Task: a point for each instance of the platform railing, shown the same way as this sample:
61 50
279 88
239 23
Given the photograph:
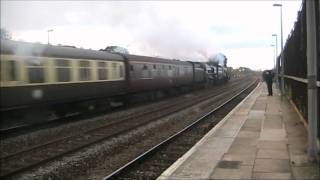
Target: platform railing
296 90
300 79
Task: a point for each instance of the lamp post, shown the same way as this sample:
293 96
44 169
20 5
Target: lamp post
276 65
50 30
281 55
274 56
275 35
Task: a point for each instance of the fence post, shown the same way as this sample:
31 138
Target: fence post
312 80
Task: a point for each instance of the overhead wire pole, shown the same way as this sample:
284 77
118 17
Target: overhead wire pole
312 81
281 54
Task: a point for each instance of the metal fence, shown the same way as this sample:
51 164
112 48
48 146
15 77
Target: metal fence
295 62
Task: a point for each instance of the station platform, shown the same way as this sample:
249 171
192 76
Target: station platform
262 138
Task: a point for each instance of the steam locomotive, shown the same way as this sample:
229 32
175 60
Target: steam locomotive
37 76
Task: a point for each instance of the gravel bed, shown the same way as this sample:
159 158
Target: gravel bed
99 160
82 162
44 135
41 136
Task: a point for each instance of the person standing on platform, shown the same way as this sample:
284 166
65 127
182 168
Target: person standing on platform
268 77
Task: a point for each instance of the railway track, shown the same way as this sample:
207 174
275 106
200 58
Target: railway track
150 164
36 156
107 120
20 129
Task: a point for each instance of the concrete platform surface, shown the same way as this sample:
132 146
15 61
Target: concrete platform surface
262 138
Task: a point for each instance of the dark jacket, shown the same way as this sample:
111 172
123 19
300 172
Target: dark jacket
268 76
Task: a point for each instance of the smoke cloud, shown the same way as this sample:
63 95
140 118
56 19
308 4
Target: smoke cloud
187 30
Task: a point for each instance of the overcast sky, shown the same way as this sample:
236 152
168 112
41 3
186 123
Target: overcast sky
186 30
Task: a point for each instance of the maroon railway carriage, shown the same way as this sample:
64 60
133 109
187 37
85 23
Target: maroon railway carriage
151 73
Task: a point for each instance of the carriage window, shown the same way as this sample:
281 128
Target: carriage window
114 71
62 70
102 71
8 73
154 66
35 70
181 71
145 67
84 71
121 71
159 72
146 72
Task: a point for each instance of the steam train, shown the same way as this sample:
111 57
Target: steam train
39 77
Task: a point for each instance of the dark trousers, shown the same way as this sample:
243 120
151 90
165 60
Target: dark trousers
269 85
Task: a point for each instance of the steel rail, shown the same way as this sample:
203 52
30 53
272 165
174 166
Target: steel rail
135 116
32 165
22 127
166 141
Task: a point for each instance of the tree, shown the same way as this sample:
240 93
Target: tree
115 49
5 34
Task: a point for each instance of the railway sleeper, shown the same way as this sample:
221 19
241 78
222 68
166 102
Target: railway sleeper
177 148
158 164
137 174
